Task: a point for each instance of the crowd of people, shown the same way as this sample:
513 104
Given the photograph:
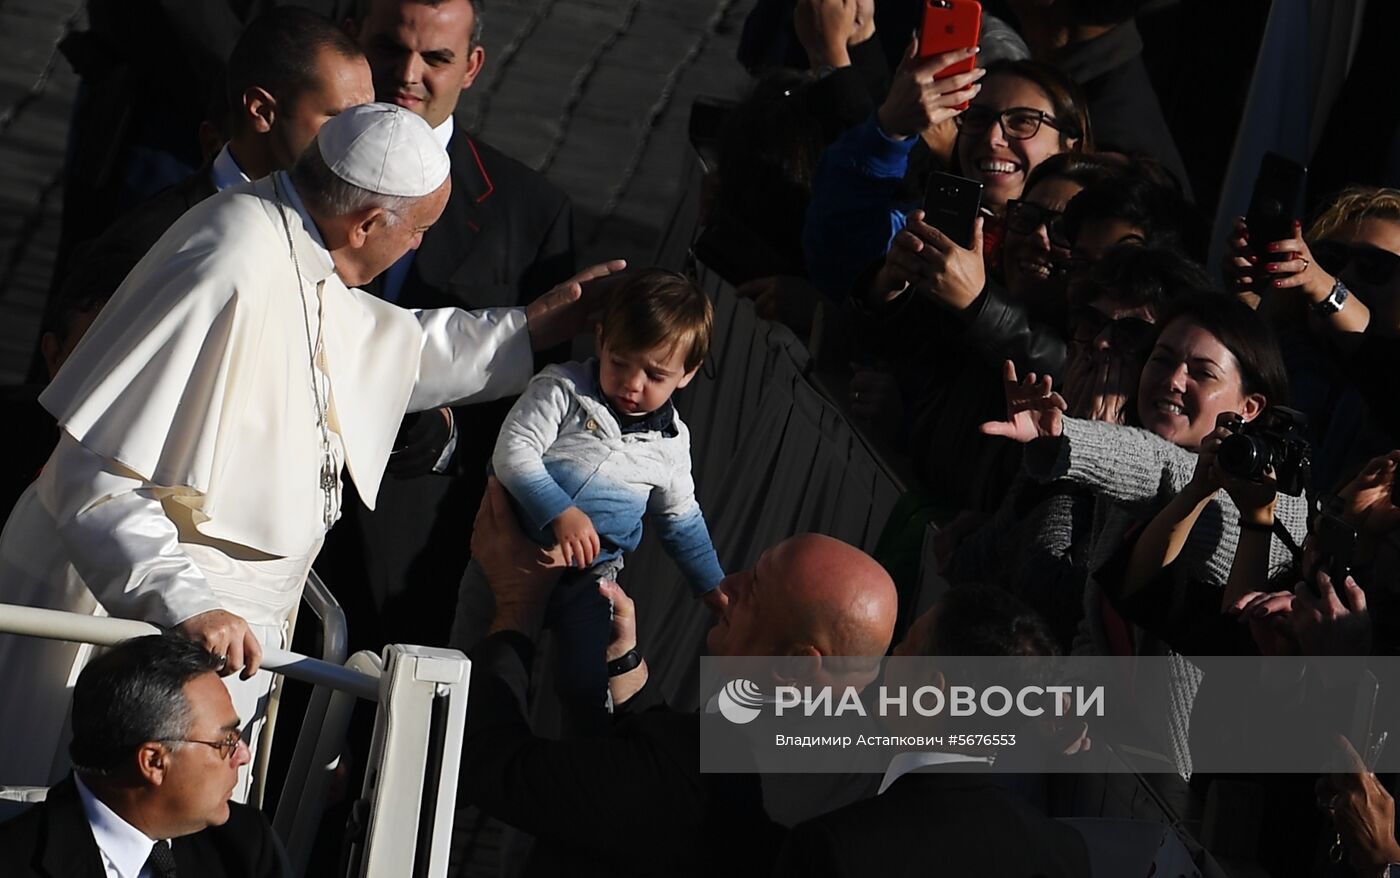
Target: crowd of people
311 272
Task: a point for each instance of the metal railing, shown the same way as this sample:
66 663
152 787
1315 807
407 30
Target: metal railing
302 803
107 631
407 802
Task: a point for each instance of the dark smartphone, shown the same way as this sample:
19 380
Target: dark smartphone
708 116
951 204
1335 543
1277 203
949 25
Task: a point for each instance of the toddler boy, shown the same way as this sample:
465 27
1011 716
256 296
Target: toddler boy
587 451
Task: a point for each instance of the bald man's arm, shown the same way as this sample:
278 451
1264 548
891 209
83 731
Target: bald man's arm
575 791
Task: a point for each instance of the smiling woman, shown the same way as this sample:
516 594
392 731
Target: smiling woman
1025 113
1214 355
1036 253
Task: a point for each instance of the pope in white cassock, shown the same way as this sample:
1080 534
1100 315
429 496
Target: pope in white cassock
209 412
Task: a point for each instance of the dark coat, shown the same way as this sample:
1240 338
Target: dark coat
953 825
631 802
1123 107
53 840
505 238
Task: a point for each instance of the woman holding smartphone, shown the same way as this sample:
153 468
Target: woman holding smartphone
1019 113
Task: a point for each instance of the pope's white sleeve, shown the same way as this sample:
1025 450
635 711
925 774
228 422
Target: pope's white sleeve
119 539
471 356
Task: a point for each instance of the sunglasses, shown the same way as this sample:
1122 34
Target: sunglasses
1128 335
1372 265
1025 217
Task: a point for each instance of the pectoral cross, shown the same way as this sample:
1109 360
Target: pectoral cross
328 483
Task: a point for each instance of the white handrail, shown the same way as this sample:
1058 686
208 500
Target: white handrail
107 631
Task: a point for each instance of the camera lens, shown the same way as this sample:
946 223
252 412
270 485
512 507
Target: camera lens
1243 456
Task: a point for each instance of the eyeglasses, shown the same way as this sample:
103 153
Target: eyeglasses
1025 217
1128 335
1374 266
227 747
1017 123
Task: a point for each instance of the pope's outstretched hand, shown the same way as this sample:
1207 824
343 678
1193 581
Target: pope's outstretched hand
568 309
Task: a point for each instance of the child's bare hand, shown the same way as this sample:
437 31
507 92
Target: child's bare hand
716 600
577 538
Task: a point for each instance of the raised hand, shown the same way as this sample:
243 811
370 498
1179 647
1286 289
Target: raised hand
1269 616
1362 812
1033 410
1336 622
917 102
826 29
1368 502
566 310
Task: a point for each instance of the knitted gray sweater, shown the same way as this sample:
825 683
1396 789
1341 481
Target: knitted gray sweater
1135 473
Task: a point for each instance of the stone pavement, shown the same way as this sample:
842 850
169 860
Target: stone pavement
36 94
595 93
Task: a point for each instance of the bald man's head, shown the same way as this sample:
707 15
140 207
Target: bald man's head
808 595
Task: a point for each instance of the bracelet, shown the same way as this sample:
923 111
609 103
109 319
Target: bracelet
626 662
1256 526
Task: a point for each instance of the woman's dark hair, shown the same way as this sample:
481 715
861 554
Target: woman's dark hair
1085 169
1164 216
132 695
1243 332
1131 275
1071 108
974 619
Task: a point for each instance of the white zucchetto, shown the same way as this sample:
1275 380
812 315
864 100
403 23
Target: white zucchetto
385 149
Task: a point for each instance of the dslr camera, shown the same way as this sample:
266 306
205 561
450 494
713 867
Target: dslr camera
1274 439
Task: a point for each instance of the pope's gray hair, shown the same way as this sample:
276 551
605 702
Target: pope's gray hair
328 194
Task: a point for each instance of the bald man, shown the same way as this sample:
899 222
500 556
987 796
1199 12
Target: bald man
634 801
943 806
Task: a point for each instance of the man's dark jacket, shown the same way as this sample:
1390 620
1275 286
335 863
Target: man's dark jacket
504 239
1123 107
953 825
53 840
632 802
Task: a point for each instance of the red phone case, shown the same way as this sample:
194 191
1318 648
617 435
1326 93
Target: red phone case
949 25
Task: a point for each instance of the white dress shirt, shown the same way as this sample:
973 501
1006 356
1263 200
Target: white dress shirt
907 762
226 171
124 848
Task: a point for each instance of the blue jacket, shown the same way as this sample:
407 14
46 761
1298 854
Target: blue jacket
855 210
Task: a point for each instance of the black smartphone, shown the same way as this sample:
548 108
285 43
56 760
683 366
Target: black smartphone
951 204
708 116
1276 204
1335 543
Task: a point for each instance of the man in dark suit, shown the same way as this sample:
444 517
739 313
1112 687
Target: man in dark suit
942 813
157 750
290 71
634 801
505 238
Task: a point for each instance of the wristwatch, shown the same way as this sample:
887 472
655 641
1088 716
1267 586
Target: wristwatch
1335 301
624 663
